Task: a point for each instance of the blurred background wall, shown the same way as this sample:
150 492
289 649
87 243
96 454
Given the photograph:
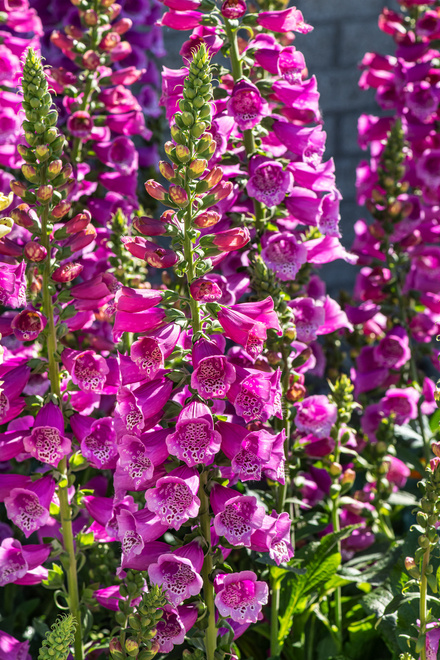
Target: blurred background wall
344 30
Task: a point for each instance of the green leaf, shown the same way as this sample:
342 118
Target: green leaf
321 561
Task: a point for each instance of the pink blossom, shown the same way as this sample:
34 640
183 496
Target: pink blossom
179 572
274 537
268 182
174 498
236 516
284 255
194 441
240 596
283 21
246 105
213 374
315 414
12 649
47 442
402 403
173 626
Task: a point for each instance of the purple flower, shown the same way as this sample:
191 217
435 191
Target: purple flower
316 415
137 533
88 369
246 105
173 626
254 453
20 564
12 649
309 316
236 516
179 572
240 596
284 21
14 382
194 441
274 537
284 255
401 402
256 395
28 324
174 498
98 440
149 353
393 350
432 640
47 442
268 182
213 374
13 285
138 458
247 323
28 507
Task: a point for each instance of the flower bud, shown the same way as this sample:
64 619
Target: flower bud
109 41
232 239
296 392
166 170
120 51
155 190
150 226
55 168
183 153
90 17
61 209
348 477
91 60
197 168
187 118
18 188
34 251
205 291
81 239
335 469
123 25
213 177
25 216
435 448
179 196
67 273
233 9
44 193
42 151
80 124
207 219
30 173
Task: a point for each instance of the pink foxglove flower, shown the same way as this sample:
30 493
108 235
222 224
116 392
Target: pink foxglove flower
274 537
175 623
393 350
137 531
22 564
149 353
268 182
247 323
309 316
98 440
236 516
401 402
315 414
254 453
88 369
213 374
204 290
240 596
28 324
12 649
28 507
194 441
14 382
13 285
256 395
47 442
284 21
138 458
284 255
174 499
179 572
246 105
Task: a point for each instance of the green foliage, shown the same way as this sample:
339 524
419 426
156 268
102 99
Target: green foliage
56 646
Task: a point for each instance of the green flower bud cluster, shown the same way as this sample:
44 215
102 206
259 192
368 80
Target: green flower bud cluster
342 396
137 641
57 644
43 165
122 263
428 516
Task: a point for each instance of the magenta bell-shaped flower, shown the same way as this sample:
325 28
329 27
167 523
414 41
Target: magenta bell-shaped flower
240 596
194 441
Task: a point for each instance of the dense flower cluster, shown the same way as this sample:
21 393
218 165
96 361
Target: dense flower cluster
173 455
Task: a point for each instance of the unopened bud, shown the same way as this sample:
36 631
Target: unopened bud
348 477
197 168
90 60
166 170
35 251
67 273
183 153
179 196
25 216
207 219
60 210
44 193
335 469
155 190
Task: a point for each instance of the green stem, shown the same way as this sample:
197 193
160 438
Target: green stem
338 594
208 587
423 613
275 648
54 377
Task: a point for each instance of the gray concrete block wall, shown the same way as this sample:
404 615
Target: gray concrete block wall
344 30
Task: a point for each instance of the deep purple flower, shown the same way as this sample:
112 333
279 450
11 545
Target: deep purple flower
194 441
98 440
256 395
316 415
28 324
284 255
13 285
179 572
309 316
240 596
88 369
149 353
401 402
12 649
246 105
47 442
246 324
14 382
174 499
393 350
20 564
